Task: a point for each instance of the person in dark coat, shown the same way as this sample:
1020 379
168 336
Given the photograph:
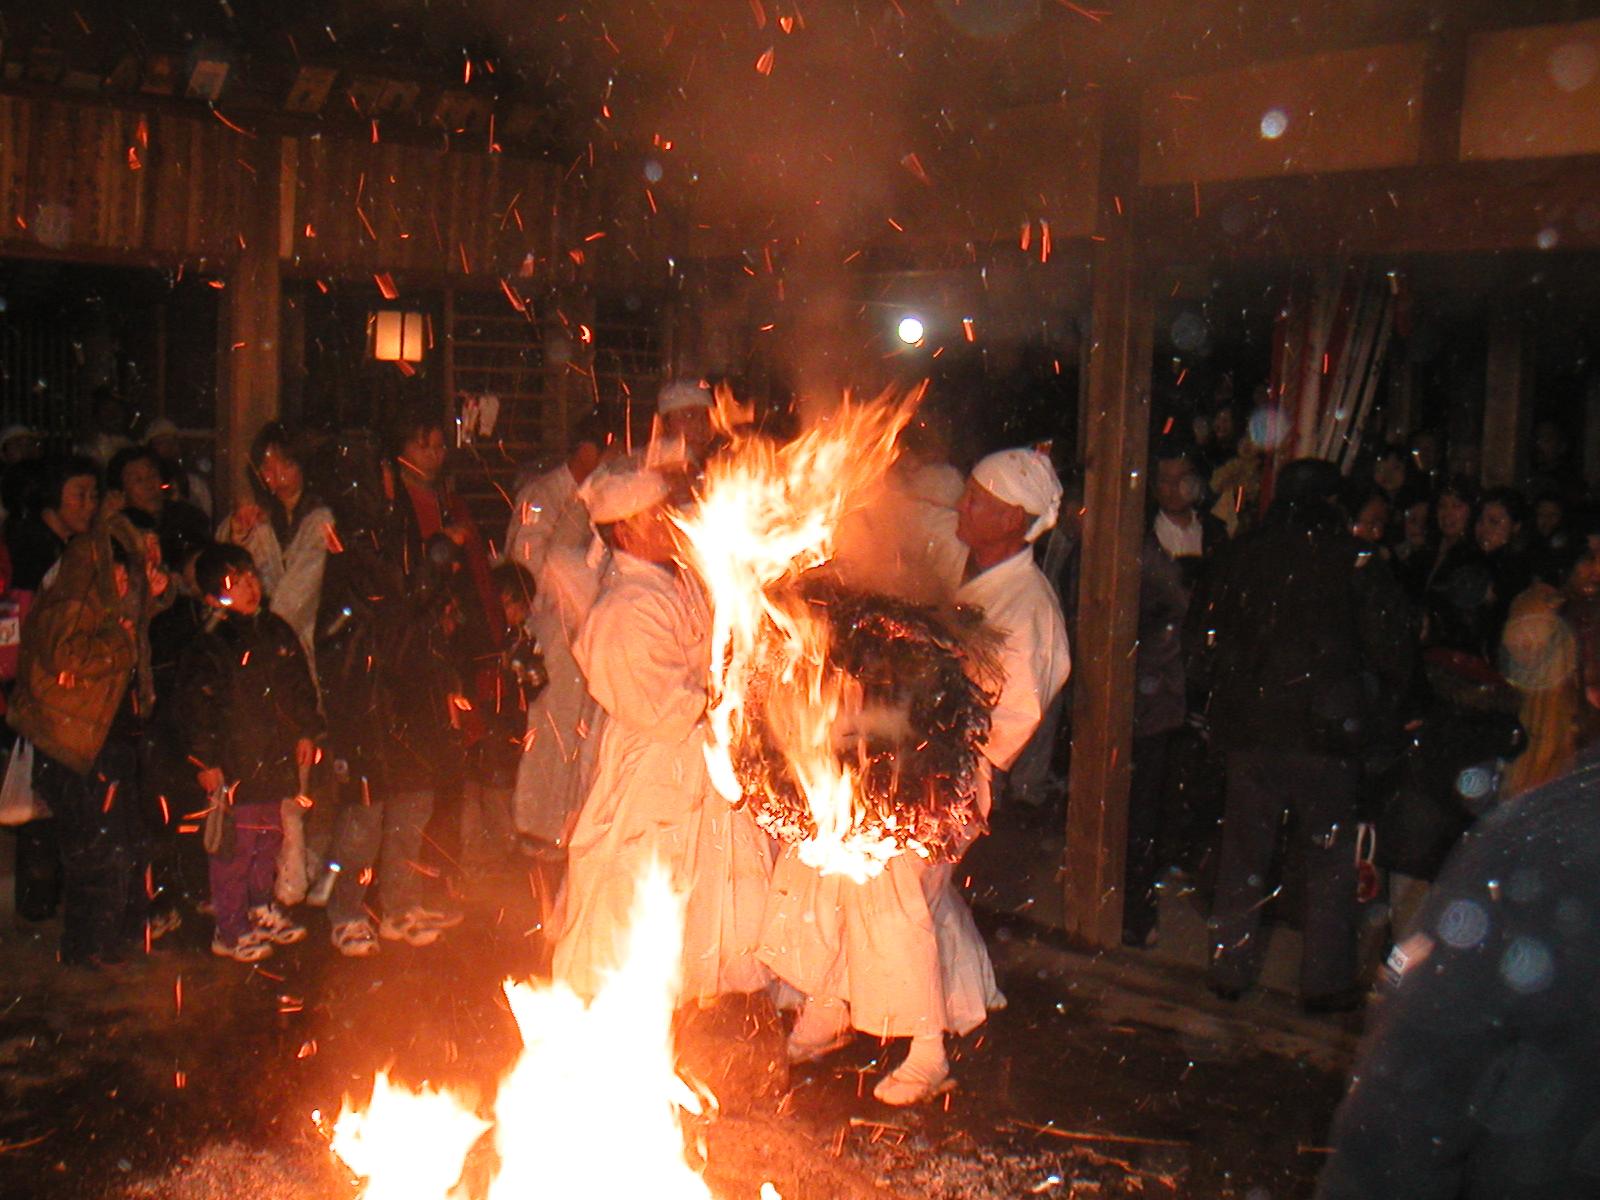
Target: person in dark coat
1188 534
134 474
1458 585
60 505
1305 621
248 712
1477 1081
388 668
1160 709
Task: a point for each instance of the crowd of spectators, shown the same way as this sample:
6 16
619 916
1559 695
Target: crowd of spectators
179 679
1350 670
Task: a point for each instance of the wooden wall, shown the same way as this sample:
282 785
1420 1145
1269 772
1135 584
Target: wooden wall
1533 92
118 182
99 183
1339 111
393 207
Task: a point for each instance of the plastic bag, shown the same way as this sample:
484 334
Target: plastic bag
218 832
290 887
19 803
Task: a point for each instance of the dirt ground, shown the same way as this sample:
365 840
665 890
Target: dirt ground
184 1075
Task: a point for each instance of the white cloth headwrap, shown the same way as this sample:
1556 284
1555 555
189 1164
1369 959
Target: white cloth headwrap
620 489
1025 478
684 393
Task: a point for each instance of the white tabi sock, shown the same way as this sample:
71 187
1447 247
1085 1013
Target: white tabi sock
921 1076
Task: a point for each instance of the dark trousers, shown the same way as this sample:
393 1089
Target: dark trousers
1316 793
101 829
244 879
38 889
1147 802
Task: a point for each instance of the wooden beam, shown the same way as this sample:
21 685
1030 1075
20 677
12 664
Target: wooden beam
1115 442
1536 205
1507 414
248 373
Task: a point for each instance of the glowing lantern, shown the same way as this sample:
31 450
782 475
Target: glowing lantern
396 336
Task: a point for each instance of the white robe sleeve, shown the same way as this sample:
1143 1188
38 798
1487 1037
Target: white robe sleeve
633 653
533 526
1032 644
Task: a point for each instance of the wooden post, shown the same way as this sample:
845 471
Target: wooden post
1115 441
1507 415
248 376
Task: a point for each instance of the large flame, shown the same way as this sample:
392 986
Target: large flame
767 514
590 1108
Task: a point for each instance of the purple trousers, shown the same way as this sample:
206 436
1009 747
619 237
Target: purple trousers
245 878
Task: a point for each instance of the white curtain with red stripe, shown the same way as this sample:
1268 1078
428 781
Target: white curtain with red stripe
1327 357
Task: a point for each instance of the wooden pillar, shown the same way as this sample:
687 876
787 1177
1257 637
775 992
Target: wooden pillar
1115 440
248 376
1507 414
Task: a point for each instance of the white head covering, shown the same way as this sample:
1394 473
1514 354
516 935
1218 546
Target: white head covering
1025 478
15 431
160 427
683 393
621 488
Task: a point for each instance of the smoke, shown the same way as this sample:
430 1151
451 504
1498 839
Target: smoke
765 133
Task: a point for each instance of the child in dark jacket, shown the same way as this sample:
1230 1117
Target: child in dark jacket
248 708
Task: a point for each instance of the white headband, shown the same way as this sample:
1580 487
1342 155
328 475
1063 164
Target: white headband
1027 479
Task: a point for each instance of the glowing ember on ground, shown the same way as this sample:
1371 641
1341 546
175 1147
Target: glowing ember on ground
768 514
590 1078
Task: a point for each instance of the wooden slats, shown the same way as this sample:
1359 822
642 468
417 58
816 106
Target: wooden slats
76 178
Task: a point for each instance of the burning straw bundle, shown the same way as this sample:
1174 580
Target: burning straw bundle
922 681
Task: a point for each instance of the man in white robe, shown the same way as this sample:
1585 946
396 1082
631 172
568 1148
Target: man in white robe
899 955
549 537
644 650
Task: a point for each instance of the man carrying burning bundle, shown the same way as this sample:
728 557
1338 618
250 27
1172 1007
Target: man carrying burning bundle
896 954
644 651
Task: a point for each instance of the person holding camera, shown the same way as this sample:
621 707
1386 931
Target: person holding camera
1305 623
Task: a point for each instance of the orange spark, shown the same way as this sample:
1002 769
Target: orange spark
764 63
914 164
1086 14
217 113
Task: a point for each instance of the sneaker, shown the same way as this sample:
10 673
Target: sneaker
276 925
436 918
355 939
406 928
163 923
247 949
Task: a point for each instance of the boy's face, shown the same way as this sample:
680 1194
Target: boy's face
516 609
241 593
